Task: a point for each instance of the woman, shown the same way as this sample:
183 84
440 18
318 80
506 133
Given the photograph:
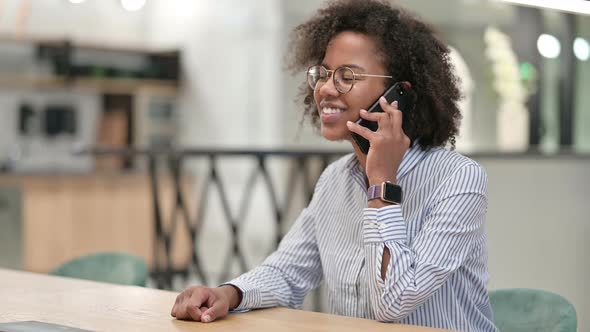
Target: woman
421 260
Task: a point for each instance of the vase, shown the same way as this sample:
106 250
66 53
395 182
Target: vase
512 128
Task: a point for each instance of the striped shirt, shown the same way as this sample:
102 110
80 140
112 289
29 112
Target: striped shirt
438 270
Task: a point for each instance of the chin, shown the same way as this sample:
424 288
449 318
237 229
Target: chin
335 135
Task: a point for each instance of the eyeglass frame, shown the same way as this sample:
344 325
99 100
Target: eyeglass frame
331 76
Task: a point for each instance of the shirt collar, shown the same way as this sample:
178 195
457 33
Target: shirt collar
411 158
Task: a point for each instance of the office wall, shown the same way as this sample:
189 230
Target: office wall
233 91
95 21
538 224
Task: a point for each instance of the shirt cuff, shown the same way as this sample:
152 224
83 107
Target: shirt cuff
251 298
384 224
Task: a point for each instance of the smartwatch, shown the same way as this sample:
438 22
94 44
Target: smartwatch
386 191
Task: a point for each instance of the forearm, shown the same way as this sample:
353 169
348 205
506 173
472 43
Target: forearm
270 286
394 290
377 204
411 272
406 277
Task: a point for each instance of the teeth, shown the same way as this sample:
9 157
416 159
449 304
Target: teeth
328 110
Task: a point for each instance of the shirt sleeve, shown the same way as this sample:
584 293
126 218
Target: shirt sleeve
287 275
453 223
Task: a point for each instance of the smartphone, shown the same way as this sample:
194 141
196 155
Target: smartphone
406 100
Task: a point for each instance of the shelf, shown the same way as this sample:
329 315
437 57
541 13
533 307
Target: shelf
85 45
62 69
104 85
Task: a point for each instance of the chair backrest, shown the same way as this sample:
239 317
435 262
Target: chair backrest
524 310
110 267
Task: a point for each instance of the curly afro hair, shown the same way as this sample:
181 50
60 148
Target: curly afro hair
410 51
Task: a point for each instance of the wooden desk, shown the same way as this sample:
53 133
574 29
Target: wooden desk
96 306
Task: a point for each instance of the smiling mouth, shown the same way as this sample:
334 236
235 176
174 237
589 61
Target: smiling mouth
330 110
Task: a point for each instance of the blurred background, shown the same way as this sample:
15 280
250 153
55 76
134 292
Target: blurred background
167 129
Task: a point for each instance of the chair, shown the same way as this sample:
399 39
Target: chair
525 310
110 267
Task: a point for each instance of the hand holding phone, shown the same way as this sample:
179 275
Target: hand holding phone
406 99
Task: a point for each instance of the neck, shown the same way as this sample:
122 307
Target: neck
361 157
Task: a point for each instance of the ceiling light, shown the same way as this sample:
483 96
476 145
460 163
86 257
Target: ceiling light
572 6
548 46
581 49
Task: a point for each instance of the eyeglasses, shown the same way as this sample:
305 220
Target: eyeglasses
344 77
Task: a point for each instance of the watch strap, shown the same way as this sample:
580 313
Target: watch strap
374 191
386 191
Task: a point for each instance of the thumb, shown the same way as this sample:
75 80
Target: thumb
218 310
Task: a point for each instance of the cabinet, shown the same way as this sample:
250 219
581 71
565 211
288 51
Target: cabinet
57 96
64 216
10 227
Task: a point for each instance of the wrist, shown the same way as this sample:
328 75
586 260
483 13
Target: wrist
380 180
377 204
384 194
233 295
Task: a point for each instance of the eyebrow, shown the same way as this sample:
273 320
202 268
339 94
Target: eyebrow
350 65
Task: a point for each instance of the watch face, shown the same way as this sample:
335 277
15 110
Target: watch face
392 193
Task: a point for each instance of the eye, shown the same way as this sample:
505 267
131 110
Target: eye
347 76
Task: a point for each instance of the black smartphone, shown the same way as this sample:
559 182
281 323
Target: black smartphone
406 100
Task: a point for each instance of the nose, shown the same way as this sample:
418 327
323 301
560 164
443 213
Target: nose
328 88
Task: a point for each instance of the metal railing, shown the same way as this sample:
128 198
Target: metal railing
163 271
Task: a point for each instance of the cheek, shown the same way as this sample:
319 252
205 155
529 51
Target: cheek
364 98
359 100
316 97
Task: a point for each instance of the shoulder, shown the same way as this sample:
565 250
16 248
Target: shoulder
455 169
450 161
342 164
340 168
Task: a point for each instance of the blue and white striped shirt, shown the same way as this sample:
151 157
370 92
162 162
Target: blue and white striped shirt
438 270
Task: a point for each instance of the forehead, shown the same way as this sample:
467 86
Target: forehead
352 48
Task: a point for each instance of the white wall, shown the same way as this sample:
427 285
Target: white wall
94 20
538 225
231 55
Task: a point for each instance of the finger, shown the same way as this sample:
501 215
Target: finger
389 109
194 313
397 118
198 298
178 308
395 115
362 131
185 312
218 310
189 308
373 116
177 304
381 118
